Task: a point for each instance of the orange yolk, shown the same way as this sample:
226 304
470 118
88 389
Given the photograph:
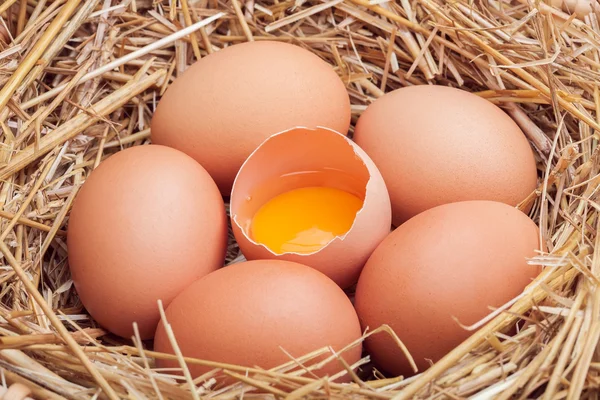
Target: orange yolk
304 220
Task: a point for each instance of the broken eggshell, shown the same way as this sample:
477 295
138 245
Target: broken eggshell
302 157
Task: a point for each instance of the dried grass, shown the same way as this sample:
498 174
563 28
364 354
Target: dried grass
80 80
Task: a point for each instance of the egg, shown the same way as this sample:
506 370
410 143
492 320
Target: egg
146 223
455 260
437 145
227 103
314 197
253 313
579 7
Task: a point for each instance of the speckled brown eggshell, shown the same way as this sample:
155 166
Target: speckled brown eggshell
455 260
147 223
227 103
437 145
246 313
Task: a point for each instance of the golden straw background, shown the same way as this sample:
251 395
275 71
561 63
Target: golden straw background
80 81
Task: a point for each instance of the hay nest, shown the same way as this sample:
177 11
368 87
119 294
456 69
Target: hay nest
80 79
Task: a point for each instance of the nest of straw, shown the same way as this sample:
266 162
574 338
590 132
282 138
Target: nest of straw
80 79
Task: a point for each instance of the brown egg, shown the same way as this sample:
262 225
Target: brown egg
437 145
579 7
455 260
304 158
227 103
146 223
253 312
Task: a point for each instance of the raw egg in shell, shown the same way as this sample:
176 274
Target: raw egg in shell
436 145
311 196
261 313
458 260
147 223
230 101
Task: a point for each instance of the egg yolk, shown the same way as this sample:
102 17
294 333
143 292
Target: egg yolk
304 220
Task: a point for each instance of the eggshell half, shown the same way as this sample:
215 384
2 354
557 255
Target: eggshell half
302 157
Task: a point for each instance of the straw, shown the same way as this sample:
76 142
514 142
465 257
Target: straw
81 80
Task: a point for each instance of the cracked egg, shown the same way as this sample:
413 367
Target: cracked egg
314 197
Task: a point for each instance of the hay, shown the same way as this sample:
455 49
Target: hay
80 80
